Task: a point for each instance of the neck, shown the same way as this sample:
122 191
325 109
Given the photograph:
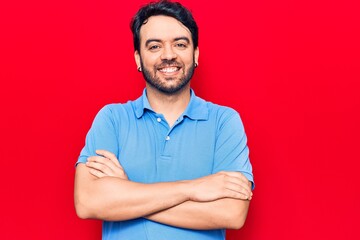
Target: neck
170 105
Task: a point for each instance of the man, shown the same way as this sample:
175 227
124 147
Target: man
168 165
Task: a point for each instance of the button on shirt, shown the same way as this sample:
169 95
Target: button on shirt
207 138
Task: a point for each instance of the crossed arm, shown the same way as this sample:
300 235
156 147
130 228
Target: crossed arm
103 191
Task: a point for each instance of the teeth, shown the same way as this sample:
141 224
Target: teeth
168 70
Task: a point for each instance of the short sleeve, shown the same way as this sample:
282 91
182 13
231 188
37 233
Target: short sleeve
103 135
231 150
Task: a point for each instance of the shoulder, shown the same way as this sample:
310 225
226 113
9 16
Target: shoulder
117 109
223 119
222 114
115 113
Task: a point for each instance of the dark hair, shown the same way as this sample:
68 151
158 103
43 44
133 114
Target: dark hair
166 8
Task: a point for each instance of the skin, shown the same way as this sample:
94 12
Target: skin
171 50
216 201
164 39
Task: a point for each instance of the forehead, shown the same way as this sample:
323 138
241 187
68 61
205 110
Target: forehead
163 28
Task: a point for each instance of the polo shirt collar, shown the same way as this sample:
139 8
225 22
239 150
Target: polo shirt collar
197 108
141 104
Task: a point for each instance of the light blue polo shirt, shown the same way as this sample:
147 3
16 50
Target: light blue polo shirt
207 138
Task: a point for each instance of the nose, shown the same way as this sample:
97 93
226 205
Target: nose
168 53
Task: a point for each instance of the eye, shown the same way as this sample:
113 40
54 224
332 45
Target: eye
154 47
181 45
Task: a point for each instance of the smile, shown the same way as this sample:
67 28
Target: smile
169 69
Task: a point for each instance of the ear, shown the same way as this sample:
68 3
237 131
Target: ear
137 59
196 55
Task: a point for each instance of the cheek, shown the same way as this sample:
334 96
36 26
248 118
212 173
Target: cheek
149 61
188 58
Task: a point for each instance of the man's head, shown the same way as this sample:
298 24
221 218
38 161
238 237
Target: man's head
165 41
165 8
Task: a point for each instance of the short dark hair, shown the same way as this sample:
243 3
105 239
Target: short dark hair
166 8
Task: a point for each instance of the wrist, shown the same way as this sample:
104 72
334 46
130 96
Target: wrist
185 189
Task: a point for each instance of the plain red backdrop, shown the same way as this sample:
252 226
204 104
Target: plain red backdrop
291 68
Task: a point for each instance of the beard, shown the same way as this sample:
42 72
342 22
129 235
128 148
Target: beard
162 85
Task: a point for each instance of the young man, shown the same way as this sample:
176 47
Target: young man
168 165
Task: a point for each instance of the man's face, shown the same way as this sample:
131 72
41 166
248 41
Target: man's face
167 55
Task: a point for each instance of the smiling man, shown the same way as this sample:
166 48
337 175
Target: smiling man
168 57
168 165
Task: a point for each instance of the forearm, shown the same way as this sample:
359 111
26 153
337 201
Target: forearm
223 213
114 199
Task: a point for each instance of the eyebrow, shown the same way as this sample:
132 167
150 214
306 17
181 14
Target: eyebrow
182 38
158 40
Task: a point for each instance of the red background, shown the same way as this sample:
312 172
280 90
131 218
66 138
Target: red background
291 68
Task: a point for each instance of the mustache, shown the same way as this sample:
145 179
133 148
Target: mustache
167 63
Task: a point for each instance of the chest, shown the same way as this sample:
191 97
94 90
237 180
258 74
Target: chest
150 151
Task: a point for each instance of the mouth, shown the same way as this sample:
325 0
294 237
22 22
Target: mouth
169 69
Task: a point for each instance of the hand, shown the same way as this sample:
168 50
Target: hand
220 185
105 164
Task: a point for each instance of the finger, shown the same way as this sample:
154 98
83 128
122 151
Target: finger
239 178
96 173
237 175
107 166
244 183
250 184
234 177
104 161
246 186
236 195
244 190
100 167
109 155
95 158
